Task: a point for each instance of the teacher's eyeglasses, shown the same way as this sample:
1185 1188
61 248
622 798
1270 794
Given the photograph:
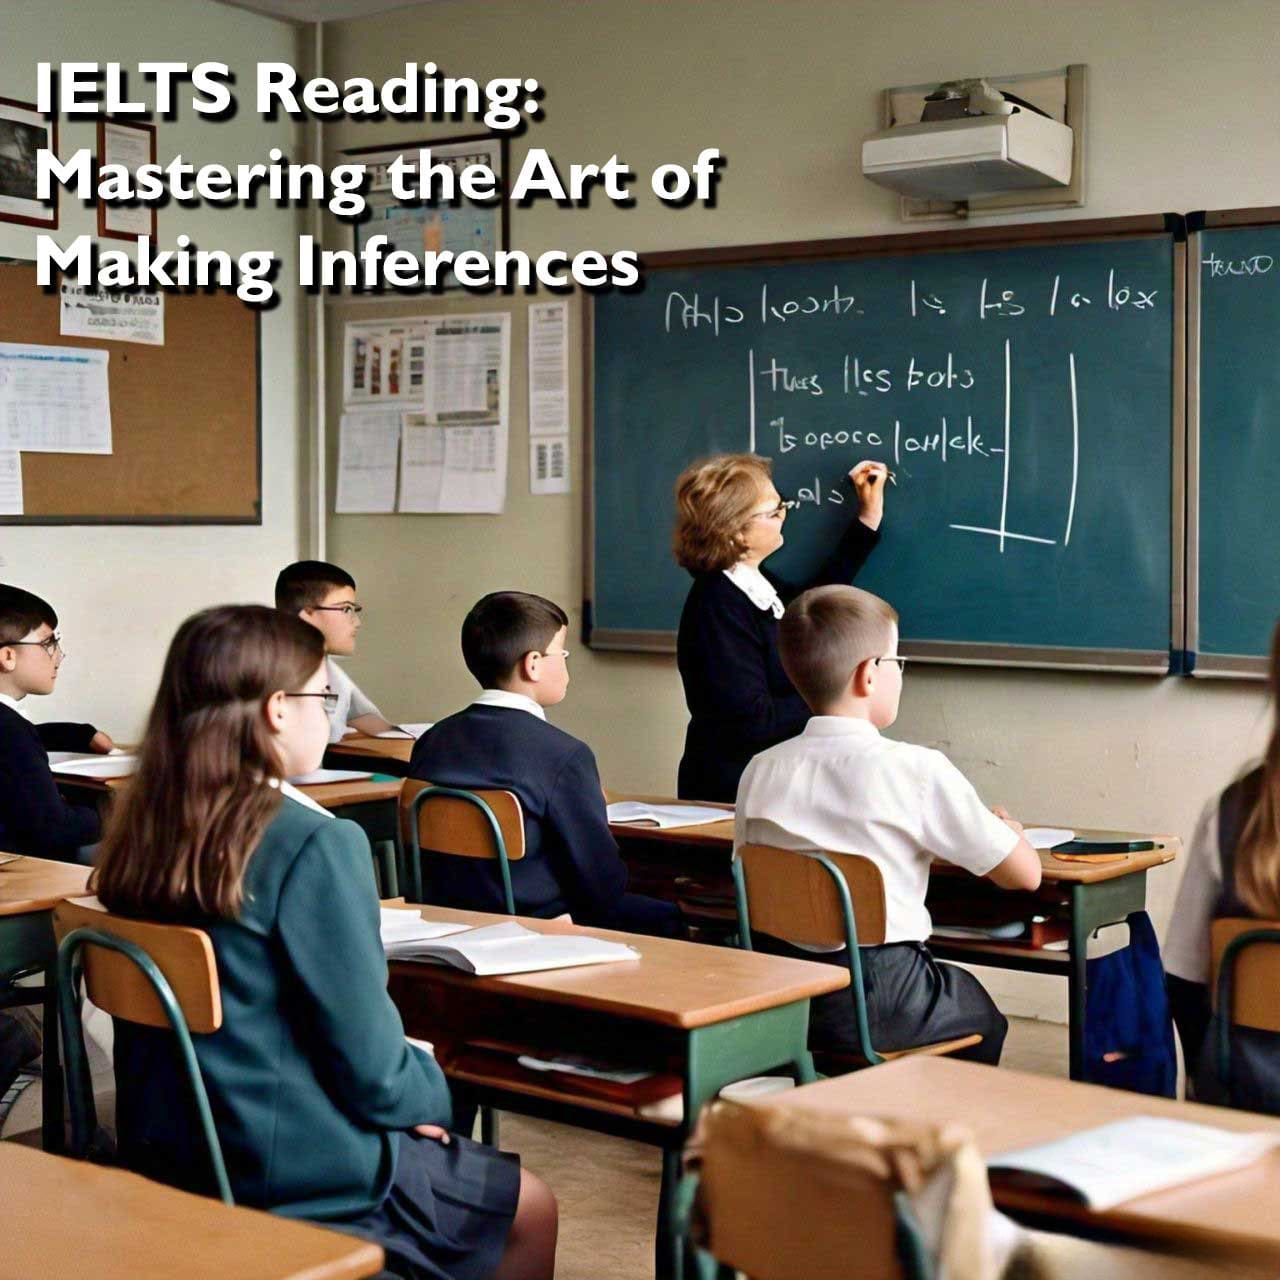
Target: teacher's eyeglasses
774 513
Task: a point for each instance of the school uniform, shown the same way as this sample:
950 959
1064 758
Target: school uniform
352 702
34 818
311 1081
841 787
503 742
1208 893
740 699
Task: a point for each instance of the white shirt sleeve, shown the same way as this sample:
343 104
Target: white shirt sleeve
954 823
1186 948
360 704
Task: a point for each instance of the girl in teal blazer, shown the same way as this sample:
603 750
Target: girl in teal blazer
323 1109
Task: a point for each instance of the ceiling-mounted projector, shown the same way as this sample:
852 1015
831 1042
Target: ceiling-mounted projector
972 141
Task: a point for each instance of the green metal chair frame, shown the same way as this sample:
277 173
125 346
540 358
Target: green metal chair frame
500 845
79 1085
851 942
1226 997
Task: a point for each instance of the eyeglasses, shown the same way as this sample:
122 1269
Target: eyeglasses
351 610
330 699
774 513
902 662
563 653
52 645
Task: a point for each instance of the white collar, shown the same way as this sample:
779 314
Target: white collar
505 698
291 792
756 587
839 727
7 700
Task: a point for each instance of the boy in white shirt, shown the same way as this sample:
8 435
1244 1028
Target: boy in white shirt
325 596
841 787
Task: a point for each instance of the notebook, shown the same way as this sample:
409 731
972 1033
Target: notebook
1112 1163
329 775
664 816
508 948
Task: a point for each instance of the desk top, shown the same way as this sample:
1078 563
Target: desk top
719 836
1004 1110
674 984
329 794
68 1217
38 884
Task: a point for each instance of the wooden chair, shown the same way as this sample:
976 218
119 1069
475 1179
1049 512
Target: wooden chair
466 824
1246 967
810 898
157 975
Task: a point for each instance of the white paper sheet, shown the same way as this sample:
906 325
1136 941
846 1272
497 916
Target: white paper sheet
1047 837
549 369
10 482
368 456
131 148
54 399
88 312
384 362
318 776
451 469
549 465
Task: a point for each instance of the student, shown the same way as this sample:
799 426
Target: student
325 596
1233 869
513 643
841 787
323 1108
34 818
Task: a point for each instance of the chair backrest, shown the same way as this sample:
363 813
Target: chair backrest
794 895
1250 980
159 975
464 823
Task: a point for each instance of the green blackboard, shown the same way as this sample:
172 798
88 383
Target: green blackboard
1234 427
1023 391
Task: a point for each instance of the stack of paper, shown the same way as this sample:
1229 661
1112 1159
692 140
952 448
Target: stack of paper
505 948
400 927
664 816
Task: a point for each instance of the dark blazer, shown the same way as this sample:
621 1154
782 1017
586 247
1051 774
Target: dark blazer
571 860
34 818
739 698
310 1077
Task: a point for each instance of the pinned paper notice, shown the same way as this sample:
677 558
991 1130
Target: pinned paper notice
54 399
10 482
549 465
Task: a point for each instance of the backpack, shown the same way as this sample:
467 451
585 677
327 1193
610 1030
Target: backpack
1127 1017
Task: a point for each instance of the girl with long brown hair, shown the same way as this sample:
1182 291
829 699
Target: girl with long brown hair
323 1109
1233 870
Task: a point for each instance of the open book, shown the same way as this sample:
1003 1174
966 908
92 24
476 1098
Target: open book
500 948
1120 1161
664 816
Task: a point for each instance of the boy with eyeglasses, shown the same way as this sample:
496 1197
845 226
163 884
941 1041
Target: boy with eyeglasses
840 787
34 818
513 644
325 596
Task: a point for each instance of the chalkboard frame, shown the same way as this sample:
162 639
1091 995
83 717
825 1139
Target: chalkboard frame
1061 232
1228 666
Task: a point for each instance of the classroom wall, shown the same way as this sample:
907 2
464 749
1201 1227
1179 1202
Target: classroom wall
1179 117
120 591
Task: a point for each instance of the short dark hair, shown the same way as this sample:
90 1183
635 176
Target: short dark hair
22 613
826 634
502 627
305 584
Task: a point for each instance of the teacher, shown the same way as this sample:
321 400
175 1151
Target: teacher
729 520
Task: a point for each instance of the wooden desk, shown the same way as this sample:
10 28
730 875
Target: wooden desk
692 864
1232 1215
371 804
29 890
360 751
705 1016
62 1217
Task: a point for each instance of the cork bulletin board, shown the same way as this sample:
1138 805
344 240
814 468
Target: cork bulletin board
185 416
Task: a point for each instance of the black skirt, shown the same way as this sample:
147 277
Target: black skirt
448 1212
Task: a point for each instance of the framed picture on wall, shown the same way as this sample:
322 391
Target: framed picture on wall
127 143
425 228
24 132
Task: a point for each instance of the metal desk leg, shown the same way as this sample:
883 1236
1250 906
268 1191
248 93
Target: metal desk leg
52 1090
715 1056
1094 905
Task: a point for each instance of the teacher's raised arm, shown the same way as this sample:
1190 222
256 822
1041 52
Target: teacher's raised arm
729 519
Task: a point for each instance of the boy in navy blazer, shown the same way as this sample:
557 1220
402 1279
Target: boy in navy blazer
513 643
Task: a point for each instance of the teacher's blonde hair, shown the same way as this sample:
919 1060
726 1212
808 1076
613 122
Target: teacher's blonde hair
713 501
